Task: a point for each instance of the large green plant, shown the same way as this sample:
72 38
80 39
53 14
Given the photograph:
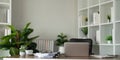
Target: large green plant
61 39
17 38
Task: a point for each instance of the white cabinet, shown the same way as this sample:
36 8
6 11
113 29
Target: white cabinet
102 19
5 16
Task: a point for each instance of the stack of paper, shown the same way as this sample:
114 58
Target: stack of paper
103 56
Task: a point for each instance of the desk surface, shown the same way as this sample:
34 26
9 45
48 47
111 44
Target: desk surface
60 58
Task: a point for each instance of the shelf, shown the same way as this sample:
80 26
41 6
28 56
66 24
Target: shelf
94 6
101 1
4 5
94 25
84 26
107 2
117 44
4 24
106 23
4 1
117 21
105 44
83 9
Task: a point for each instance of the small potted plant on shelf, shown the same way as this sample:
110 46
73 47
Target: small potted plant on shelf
60 42
86 20
85 31
109 39
109 18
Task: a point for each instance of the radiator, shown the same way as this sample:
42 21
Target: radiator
45 45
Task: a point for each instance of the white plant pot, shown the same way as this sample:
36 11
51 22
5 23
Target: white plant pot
22 53
4 53
109 42
61 49
29 52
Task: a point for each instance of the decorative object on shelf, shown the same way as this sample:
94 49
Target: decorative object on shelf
22 50
17 38
29 52
109 18
60 42
112 14
85 30
109 39
96 18
31 48
86 20
98 36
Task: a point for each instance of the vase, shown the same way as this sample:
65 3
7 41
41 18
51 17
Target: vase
4 53
61 49
109 42
22 53
29 52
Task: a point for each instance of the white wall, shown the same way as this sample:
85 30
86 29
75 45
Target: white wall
48 17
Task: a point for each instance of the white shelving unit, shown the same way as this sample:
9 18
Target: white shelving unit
5 16
99 27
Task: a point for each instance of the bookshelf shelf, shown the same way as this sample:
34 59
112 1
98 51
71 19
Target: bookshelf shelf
106 23
107 2
5 16
94 6
103 20
4 24
83 9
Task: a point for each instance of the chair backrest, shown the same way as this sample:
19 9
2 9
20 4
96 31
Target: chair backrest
76 49
84 40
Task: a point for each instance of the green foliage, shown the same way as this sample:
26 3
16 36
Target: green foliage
61 39
17 38
14 51
109 38
85 30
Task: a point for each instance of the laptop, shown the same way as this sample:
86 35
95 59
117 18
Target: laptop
76 49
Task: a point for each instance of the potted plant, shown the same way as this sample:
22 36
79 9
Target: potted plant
86 20
22 50
17 38
109 18
60 42
85 30
109 39
31 48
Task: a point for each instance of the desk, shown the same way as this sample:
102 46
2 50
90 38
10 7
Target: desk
60 58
